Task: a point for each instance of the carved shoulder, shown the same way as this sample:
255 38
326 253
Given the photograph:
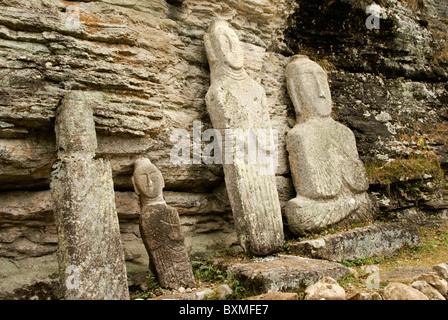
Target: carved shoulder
353 170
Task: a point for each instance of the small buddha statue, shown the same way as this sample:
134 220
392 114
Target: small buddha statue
160 229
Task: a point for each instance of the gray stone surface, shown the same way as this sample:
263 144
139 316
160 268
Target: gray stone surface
329 178
282 272
325 289
237 102
442 270
435 281
144 65
90 252
161 230
404 274
224 291
428 290
275 296
400 291
33 278
360 243
28 230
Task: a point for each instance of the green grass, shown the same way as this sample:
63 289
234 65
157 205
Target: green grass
206 271
432 250
400 170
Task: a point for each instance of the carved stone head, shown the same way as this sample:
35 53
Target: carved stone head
75 126
223 46
308 88
147 180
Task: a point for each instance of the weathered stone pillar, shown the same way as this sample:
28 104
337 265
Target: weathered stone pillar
160 229
237 105
91 259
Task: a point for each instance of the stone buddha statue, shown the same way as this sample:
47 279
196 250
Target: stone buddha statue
328 176
160 229
236 103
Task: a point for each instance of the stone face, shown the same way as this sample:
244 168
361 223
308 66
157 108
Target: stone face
400 291
360 243
283 272
329 178
325 289
160 229
236 102
91 260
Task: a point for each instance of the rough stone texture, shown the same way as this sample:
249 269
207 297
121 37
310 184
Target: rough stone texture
34 278
325 289
236 102
329 178
405 274
28 233
223 291
144 65
400 291
435 281
428 290
275 296
282 272
442 270
359 243
365 296
160 229
198 294
90 252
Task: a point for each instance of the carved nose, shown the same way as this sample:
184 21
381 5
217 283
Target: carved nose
320 90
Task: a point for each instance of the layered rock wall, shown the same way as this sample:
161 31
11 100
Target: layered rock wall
142 64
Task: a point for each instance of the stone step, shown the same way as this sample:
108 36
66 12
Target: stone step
359 243
404 274
281 272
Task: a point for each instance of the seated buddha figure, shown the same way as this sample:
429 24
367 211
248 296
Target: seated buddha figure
329 178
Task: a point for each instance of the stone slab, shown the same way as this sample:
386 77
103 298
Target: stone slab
282 272
360 243
404 274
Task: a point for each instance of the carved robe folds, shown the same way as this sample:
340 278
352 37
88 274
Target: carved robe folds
329 178
236 102
160 229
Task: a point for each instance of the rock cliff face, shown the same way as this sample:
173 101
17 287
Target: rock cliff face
143 66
